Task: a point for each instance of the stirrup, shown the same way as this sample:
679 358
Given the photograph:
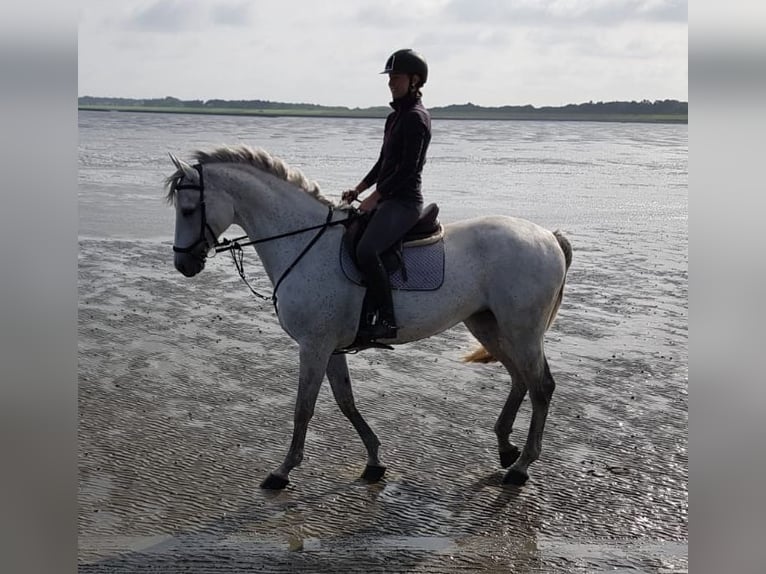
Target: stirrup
380 330
367 338
358 345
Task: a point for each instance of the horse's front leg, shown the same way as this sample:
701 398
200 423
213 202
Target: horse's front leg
313 365
340 381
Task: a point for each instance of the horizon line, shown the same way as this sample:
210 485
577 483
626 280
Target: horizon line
593 102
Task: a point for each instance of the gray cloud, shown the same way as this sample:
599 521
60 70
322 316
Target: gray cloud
491 52
178 15
232 13
378 15
165 16
552 12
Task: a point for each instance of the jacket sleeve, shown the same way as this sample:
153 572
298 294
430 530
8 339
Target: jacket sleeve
372 177
406 174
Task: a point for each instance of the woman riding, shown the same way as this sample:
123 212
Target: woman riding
397 201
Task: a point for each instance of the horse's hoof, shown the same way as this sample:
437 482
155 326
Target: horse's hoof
516 477
373 473
274 482
508 457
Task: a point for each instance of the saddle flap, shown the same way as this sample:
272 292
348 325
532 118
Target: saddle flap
424 266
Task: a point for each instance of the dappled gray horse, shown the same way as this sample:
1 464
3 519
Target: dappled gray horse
504 278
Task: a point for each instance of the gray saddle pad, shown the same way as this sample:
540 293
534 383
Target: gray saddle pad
424 265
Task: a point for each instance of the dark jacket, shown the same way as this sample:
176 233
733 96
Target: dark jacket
403 154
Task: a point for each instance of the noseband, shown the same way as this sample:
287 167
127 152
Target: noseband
203 224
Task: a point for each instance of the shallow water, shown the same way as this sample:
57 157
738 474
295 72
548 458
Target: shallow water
187 386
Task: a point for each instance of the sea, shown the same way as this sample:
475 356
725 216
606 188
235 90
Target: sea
586 178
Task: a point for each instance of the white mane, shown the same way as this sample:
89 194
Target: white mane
263 160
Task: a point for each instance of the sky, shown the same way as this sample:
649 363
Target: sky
486 52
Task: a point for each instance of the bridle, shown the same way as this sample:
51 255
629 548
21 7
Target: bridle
203 223
236 245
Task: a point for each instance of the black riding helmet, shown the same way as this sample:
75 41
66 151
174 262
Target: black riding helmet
407 62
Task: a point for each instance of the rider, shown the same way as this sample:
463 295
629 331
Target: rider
397 201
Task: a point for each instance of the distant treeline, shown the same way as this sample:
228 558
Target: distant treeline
645 110
642 107
170 102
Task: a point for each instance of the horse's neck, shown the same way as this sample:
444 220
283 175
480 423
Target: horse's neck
271 206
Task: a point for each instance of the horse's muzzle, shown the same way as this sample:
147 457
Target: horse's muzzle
189 264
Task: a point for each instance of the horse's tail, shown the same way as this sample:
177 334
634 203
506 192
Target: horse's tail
481 355
566 247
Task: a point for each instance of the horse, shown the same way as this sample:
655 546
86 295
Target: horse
504 279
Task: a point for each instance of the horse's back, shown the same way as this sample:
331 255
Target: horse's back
501 238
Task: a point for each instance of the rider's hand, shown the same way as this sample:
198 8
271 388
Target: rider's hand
350 195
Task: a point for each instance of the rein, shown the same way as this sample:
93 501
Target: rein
236 245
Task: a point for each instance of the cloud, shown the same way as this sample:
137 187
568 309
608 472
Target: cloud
667 11
490 52
164 16
393 11
232 14
172 16
558 12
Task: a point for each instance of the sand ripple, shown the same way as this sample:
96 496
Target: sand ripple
186 398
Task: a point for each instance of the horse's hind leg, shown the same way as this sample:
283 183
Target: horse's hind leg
508 451
484 327
313 365
340 382
541 386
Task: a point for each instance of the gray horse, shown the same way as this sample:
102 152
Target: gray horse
504 278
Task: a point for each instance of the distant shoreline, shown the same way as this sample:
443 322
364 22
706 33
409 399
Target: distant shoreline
448 113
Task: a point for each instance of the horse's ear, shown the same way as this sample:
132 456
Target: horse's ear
188 171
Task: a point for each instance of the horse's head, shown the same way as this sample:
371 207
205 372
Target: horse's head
201 216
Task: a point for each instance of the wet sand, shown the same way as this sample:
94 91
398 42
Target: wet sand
186 391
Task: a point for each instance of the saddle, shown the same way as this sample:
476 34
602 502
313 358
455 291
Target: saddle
426 230
421 249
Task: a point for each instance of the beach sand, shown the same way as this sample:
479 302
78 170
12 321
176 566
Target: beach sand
186 393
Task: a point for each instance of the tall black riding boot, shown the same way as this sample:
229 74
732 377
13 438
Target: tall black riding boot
383 325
